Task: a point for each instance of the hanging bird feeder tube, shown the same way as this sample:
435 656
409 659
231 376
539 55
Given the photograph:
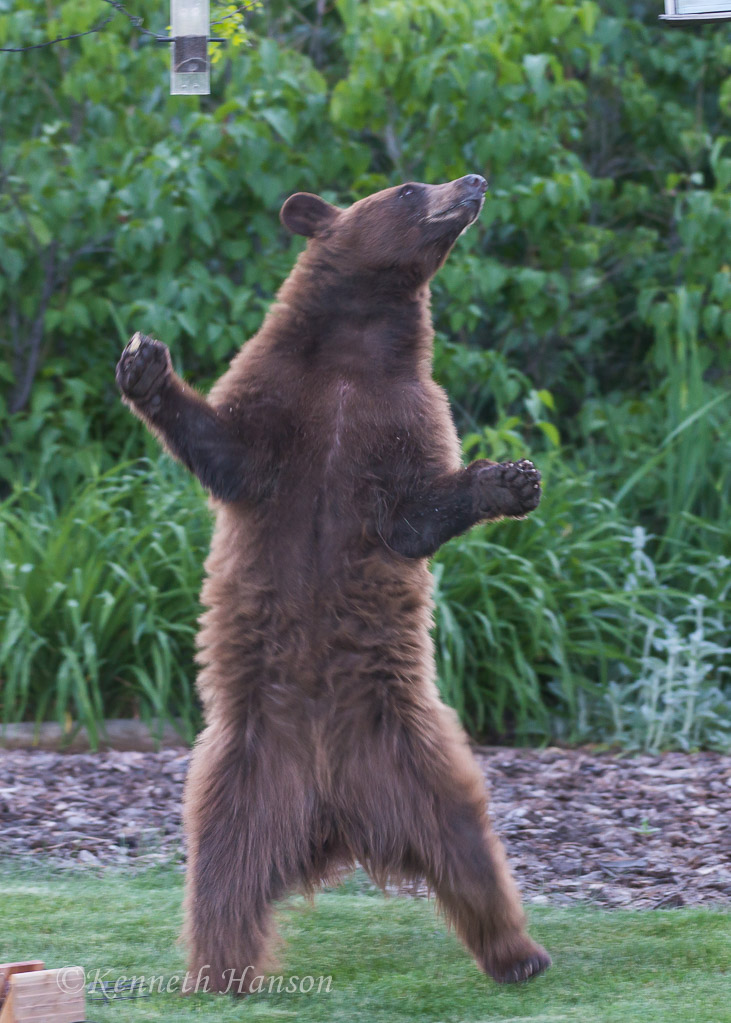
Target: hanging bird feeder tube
190 67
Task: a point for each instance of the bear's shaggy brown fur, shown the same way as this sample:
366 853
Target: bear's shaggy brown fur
335 471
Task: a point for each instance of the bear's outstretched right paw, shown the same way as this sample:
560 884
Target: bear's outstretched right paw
143 369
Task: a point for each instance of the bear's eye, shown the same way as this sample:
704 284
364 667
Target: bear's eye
406 191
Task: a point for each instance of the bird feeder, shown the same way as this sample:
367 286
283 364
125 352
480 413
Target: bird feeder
680 11
189 27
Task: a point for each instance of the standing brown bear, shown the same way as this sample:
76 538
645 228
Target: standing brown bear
335 472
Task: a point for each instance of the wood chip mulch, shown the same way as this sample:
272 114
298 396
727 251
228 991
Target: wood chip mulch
641 832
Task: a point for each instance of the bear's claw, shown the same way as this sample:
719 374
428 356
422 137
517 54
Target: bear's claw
528 963
520 483
143 368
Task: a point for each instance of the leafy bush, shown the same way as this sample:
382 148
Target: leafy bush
99 598
558 627
676 695
586 317
564 627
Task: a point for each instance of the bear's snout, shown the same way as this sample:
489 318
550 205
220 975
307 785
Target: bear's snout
453 200
473 183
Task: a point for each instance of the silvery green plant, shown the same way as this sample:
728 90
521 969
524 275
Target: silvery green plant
674 697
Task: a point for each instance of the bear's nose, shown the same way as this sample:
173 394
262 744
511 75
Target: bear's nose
476 182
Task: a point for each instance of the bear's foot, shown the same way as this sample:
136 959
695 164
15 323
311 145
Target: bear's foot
518 961
143 369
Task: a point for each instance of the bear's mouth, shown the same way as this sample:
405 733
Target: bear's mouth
472 205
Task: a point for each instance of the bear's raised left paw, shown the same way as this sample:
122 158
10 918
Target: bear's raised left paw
512 489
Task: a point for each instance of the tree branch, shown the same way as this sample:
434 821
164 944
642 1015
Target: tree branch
35 337
118 7
26 355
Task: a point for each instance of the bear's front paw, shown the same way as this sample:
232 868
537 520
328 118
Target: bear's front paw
511 489
143 369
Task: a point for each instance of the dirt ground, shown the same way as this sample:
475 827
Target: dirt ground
641 831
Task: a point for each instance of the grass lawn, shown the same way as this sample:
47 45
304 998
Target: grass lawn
391 960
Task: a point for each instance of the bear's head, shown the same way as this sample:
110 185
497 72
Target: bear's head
402 234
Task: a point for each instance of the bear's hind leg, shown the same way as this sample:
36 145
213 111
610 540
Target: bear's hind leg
467 868
246 821
423 813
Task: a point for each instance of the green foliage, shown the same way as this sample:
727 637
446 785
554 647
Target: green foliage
231 26
586 319
676 695
99 598
564 626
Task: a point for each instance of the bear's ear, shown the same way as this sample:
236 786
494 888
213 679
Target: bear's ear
307 214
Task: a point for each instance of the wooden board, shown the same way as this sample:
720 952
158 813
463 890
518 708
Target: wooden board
46 996
8 969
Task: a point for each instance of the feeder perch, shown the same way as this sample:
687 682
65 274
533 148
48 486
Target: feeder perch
30 994
686 11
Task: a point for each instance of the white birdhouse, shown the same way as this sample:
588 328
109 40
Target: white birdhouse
696 10
189 27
